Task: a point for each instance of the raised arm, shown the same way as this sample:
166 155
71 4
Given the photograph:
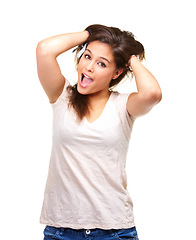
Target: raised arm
48 68
149 92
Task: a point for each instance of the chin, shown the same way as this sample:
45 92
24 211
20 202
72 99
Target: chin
81 90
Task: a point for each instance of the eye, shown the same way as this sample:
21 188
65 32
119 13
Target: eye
101 64
87 56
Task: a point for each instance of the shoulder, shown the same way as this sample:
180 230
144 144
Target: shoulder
120 102
120 98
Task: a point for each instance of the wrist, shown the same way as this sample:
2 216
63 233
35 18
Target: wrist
89 32
132 61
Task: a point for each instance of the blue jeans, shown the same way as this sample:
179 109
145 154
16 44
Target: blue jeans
92 234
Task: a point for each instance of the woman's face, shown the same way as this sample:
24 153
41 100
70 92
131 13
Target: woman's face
96 69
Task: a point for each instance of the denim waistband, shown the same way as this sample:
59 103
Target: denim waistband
53 233
92 232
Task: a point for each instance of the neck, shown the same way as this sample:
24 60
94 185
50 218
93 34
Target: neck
97 99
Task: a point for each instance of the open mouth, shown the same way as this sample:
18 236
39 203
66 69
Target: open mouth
85 80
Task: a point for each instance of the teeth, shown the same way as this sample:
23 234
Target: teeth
86 76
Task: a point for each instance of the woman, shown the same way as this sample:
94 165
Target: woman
86 193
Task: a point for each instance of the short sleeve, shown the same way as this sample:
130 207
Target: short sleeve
126 119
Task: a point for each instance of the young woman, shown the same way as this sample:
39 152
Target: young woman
86 194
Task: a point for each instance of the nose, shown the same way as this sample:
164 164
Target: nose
90 67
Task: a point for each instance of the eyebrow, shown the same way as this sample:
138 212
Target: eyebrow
99 57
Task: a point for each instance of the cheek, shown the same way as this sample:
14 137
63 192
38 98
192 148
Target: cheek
107 76
104 80
104 73
79 65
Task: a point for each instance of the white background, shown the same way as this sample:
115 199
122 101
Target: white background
160 164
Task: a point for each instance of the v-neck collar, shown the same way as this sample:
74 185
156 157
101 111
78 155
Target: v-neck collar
102 113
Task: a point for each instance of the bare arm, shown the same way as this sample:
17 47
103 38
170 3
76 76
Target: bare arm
149 92
48 68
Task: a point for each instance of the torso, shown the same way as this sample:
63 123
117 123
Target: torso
87 178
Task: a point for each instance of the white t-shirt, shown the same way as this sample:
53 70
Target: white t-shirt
87 185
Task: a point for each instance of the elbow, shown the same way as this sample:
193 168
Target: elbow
40 50
155 95
44 49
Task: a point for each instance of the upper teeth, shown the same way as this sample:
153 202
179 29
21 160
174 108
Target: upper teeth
86 76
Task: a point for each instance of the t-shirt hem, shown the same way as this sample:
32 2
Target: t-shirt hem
89 226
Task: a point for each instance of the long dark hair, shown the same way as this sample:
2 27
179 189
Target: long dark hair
123 45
